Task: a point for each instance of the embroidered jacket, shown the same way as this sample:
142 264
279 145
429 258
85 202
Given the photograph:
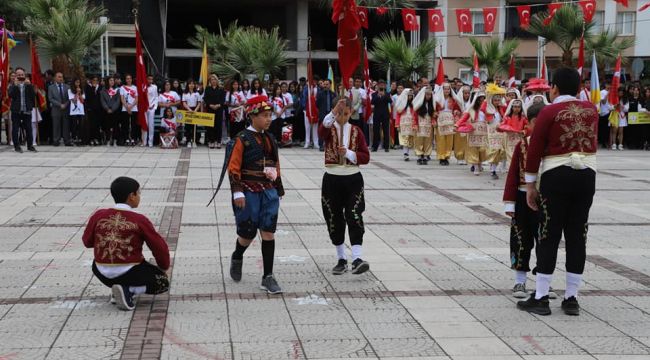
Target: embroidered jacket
117 237
562 129
516 179
353 140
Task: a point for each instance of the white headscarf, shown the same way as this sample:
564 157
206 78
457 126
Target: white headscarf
402 100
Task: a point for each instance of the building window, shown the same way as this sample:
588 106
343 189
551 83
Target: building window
513 27
599 22
466 75
625 22
478 23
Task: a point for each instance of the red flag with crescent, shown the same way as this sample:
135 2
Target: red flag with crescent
37 77
616 82
440 74
588 9
644 7
382 10
552 9
4 73
464 19
141 81
512 73
367 106
311 111
410 20
363 16
623 2
348 38
436 21
489 19
476 76
581 55
524 15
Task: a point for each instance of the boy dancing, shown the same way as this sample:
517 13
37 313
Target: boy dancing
342 192
254 172
117 235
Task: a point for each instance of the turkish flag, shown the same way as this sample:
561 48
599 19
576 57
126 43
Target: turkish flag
581 55
512 74
476 77
552 9
644 7
367 106
37 77
616 82
4 73
622 2
363 16
410 20
436 21
348 39
440 74
464 20
141 81
489 19
382 10
588 9
312 110
524 15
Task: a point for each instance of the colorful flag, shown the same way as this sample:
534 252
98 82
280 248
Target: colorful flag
436 21
141 81
410 20
464 20
512 72
588 9
489 19
37 77
524 15
616 82
330 76
595 83
476 76
348 38
581 54
203 76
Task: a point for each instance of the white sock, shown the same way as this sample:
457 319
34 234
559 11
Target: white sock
340 251
137 290
572 284
406 150
493 167
543 284
356 252
520 277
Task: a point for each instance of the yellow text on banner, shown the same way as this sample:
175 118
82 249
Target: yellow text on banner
195 118
638 118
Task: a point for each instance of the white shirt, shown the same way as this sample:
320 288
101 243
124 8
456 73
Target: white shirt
585 95
152 95
192 99
605 107
169 97
250 94
237 98
288 101
76 108
113 271
278 103
130 94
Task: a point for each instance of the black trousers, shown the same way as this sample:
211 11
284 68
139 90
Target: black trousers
143 274
343 202
383 125
523 234
21 121
215 133
236 128
565 198
276 129
127 124
45 127
603 130
111 126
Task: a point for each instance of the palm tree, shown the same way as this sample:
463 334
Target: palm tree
389 4
566 29
64 30
493 54
392 51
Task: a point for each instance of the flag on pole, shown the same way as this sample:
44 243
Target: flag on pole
311 111
330 76
595 84
5 103
512 72
544 73
581 54
367 109
616 82
203 77
346 15
141 80
644 7
476 77
37 77
440 73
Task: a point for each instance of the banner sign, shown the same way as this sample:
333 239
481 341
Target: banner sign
638 118
195 118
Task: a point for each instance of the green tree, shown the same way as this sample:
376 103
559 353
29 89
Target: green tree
607 47
64 30
493 54
391 50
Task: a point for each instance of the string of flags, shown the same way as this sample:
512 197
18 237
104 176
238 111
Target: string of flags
436 19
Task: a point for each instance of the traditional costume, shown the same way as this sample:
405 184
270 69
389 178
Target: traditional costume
448 113
496 152
343 189
425 112
406 121
538 88
460 139
513 126
473 124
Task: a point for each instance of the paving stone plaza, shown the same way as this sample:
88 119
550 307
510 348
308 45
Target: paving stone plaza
436 239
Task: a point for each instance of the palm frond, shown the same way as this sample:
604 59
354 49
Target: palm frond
606 47
391 50
493 54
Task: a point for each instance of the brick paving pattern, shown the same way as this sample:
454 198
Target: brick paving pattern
439 286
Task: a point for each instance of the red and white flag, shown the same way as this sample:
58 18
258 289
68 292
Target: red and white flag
4 73
644 7
623 2
436 21
464 20
588 9
410 20
367 106
37 77
363 16
311 110
346 15
489 19
616 82
512 72
440 74
581 55
476 76
141 81
552 9
544 73
524 15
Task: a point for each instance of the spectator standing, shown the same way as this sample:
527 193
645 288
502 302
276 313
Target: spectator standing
235 100
22 97
93 112
324 103
77 112
59 105
110 101
129 121
191 102
381 102
152 96
214 99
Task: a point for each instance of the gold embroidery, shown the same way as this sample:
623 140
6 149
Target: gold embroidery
112 242
331 154
577 134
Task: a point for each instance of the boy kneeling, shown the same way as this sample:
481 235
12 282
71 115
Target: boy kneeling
117 235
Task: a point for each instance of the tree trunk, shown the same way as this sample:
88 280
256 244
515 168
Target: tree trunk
567 58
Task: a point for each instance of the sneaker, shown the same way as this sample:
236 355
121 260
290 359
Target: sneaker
235 269
462 162
189 145
359 266
551 293
519 291
406 157
123 297
32 149
420 161
620 147
112 299
613 146
340 268
495 176
532 305
570 306
270 285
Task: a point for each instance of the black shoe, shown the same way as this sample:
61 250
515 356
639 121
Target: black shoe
495 176
321 149
18 150
340 268
69 144
235 269
446 162
571 306
359 266
428 157
532 305
386 150
32 149
471 169
441 162
425 162
56 144
270 285
420 161
123 297
374 150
